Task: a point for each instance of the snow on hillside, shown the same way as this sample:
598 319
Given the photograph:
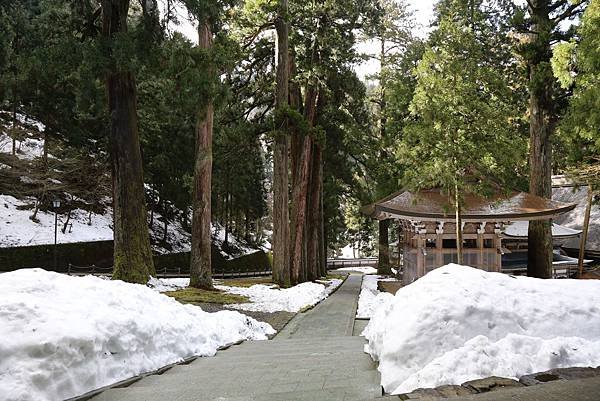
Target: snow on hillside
235 247
17 228
27 148
96 332
458 323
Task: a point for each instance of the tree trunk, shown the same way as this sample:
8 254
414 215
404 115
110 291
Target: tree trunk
586 226
383 264
299 200
458 222
300 193
322 237
132 254
313 225
14 119
281 230
67 221
200 259
541 125
45 149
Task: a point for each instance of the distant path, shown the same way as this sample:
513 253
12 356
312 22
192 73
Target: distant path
334 317
314 358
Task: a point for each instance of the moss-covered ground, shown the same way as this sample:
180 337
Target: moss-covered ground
196 296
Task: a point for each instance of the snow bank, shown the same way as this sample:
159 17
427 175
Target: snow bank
370 298
358 269
459 323
63 336
265 298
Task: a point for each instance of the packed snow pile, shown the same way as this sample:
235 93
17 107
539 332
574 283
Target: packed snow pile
63 336
263 298
268 298
168 284
370 297
459 323
358 269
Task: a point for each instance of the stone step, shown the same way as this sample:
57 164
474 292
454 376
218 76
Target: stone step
242 365
257 391
302 341
292 369
283 353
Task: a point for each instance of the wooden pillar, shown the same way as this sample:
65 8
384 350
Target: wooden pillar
439 245
480 243
383 265
420 257
498 255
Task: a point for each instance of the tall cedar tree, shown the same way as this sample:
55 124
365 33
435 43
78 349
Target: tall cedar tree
392 30
544 19
281 223
200 260
132 255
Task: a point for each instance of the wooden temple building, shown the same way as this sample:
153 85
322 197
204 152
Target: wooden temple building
427 238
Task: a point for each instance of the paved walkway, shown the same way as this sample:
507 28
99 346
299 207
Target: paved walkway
314 358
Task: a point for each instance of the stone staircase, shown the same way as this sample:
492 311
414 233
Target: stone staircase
317 369
314 358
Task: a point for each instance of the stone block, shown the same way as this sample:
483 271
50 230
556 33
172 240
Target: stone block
559 374
491 384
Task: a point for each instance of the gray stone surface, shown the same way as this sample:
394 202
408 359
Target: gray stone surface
332 317
492 383
315 358
559 374
430 394
563 390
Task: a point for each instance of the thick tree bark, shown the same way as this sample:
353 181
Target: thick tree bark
298 217
383 246
313 225
132 253
541 125
200 258
281 231
297 138
323 238
299 253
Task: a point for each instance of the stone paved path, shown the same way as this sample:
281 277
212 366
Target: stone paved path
314 358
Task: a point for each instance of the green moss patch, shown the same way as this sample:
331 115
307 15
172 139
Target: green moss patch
196 296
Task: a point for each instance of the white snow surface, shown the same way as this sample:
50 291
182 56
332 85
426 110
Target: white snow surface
63 336
459 323
370 297
358 269
267 298
264 298
17 229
